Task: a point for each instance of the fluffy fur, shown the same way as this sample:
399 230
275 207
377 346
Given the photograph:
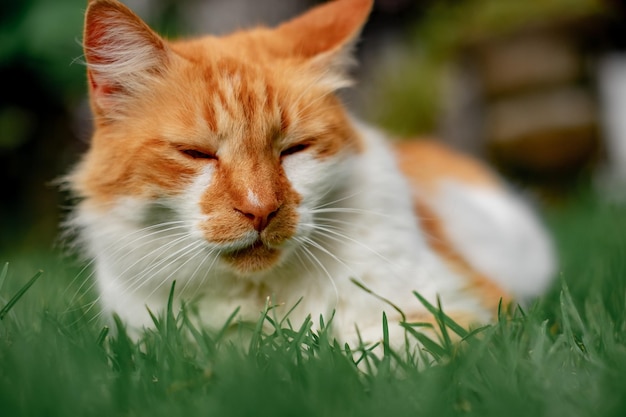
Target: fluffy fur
229 165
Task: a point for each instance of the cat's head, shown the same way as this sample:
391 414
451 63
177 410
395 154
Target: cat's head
240 138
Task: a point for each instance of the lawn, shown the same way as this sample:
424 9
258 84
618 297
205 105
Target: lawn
564 355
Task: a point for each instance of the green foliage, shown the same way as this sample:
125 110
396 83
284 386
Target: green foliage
5 310
564 355
44 36
412 95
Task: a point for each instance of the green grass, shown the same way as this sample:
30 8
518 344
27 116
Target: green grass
564 355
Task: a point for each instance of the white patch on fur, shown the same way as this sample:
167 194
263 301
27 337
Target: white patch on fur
498 234
253 199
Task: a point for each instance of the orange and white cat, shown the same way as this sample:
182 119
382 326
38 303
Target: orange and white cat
229 165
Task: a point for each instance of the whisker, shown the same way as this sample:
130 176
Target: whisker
312 257
120 248
348 210
193 274
344 198
149 236
336 236
326 220
160 250
93 283
206 274
121 275
327 252
137 281
83 269
194 247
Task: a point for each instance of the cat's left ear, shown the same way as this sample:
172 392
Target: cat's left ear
325 37
123 55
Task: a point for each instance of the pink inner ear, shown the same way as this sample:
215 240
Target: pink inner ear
93 33
99 33
101 89
122 53
94 44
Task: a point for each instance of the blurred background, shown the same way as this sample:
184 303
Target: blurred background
537 87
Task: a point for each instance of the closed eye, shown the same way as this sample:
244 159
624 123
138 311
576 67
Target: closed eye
196 154
294 149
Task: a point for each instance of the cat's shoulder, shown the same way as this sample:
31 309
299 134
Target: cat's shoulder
427 163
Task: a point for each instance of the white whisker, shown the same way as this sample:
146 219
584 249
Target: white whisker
348 210
139 280
338 200
193 274
194 248
342 238
124 246
319 263
120 275
161 250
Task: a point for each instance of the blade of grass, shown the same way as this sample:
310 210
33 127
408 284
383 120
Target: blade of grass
474 332
441 322
19 294
385 365
299 338
286 316
170 320
3 274
306 325
386 347
226 325
155 319
451 324
381 298
431 346
569 313
102 336
365 353
122 347
258 330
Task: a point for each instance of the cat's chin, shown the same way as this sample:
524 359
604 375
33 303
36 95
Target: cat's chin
255 258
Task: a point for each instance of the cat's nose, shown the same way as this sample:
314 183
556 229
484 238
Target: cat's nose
260 216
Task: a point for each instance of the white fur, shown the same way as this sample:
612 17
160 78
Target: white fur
356 221
499 235
253 199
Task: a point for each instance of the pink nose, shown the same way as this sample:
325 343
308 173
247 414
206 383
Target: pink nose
259 216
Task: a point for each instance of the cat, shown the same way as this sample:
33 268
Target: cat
230 165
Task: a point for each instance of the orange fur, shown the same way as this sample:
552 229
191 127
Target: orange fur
426 165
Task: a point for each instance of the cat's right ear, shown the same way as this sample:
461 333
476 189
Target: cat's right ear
325 36
123 55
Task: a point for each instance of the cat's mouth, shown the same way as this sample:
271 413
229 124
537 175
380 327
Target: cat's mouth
253 258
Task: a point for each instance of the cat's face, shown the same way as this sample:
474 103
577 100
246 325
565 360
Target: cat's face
240 139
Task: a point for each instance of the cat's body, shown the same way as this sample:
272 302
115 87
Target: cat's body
230 166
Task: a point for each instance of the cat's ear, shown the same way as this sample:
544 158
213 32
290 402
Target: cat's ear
123 54
326 35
